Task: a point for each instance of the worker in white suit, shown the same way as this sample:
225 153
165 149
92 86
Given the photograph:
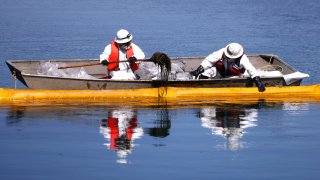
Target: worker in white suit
226 62
122 49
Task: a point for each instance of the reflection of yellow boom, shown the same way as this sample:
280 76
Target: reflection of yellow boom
172 95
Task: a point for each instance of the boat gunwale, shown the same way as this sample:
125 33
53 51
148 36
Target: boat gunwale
151 80
172 58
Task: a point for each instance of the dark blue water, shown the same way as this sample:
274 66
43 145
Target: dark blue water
256 140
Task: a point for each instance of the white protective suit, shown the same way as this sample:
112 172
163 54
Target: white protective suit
210 60
124 72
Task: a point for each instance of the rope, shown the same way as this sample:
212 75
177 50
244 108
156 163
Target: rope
271 67
14 75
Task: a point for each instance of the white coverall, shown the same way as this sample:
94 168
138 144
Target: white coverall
210 60
124 72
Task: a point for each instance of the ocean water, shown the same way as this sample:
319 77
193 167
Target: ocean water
248 140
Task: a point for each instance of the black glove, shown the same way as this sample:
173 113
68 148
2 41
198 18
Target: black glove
197 72
132 59
105 62
259 84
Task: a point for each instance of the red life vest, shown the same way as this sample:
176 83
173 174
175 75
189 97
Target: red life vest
114 57
114 130
231 70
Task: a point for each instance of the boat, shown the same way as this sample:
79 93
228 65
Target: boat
274 72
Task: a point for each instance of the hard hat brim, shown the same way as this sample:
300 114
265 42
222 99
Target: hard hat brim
121 41
226 52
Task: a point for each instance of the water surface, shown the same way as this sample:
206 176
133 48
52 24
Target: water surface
212 140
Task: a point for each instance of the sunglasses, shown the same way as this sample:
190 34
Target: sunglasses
127 44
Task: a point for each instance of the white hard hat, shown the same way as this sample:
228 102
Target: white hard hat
123 36
233 50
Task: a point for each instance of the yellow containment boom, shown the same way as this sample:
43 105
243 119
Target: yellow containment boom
170 94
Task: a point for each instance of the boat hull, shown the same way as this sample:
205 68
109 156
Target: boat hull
26 72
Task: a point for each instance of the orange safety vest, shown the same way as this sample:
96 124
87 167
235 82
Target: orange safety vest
114 57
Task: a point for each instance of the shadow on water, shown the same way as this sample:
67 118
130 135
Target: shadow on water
121 126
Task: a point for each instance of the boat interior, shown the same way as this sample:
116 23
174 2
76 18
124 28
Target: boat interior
266 63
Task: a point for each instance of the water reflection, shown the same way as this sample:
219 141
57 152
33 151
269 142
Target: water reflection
229 123
295 108
162 125
121 129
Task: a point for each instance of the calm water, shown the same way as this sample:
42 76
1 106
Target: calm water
256 140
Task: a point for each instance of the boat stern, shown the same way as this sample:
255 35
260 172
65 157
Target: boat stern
294 78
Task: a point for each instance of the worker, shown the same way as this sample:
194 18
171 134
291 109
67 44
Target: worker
122 49
227 62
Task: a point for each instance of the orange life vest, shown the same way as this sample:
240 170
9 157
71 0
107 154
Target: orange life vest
114 57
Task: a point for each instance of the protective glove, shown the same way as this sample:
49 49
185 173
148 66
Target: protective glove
259 84
197 72
105 62
132 59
